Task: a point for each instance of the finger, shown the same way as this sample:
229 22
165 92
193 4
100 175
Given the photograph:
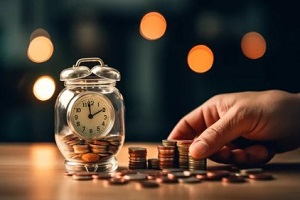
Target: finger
256 154
195 122
259 154
227 128
227 156
239 156
224 156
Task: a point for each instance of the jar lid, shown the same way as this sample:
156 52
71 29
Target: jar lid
102 71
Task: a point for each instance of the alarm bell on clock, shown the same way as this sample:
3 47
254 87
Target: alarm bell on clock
89 117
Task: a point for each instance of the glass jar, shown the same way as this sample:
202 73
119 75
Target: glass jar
89 117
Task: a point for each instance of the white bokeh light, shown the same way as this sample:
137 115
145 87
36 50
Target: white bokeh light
44 88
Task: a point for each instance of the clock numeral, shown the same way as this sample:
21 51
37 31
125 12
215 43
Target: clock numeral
83 128
76 117
98 128
78 110
105 117
86 104
103 123
78 123
91 131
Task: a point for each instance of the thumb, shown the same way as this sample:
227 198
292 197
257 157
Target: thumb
229 127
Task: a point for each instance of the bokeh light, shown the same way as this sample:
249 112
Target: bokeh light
42 156
200 58
39 32
44 88
253 45
153 26
40 49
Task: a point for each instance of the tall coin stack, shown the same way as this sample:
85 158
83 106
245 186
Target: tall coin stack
137 158
166 156
173 143
183 151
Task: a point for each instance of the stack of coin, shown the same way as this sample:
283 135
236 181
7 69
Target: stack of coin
137 158
153 163
183 153
166 156
167 142
197 164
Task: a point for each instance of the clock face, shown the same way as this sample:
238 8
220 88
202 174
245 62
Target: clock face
91 115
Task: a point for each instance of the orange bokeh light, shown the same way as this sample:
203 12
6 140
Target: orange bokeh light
253 45
200 58
153 26
40 49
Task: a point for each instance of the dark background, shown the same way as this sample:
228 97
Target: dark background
157 84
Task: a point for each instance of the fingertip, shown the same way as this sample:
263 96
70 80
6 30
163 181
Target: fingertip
198 149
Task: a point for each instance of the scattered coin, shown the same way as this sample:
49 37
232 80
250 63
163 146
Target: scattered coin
147 184
135 177
177 175
165 179
194 172
154 174
217 174
189 180
82 177
261 176
102 176
234 179
251 170
116 181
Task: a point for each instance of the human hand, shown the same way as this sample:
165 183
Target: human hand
242 128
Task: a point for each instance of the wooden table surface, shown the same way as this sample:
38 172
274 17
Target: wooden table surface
35 171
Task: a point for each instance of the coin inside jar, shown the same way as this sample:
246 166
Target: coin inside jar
90 157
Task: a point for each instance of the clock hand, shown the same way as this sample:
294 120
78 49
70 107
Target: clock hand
90 112
102 110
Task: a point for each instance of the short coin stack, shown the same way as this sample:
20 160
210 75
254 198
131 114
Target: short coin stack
153 163
197 164
137 158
